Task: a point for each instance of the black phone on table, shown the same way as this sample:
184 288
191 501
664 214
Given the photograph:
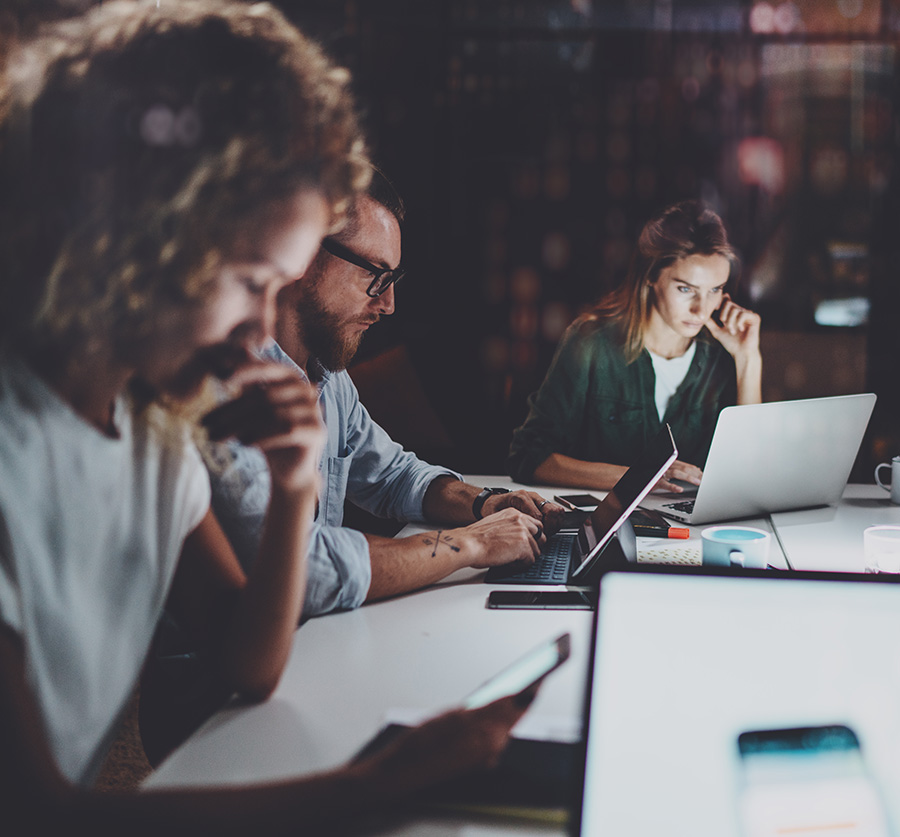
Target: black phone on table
807 780
580 502
648 518
648 522
539 600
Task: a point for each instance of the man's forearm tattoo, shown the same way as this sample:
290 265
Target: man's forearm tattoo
446 540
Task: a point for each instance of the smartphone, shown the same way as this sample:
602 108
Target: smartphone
810 781
648 522
582 502
539 600
527 670
648 518
524 672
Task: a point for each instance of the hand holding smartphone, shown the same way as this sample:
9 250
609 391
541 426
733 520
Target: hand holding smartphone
516 678
524 672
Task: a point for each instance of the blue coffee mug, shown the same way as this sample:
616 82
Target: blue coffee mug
736 546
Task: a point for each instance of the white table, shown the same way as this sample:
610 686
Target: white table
831 538
421 652
425 651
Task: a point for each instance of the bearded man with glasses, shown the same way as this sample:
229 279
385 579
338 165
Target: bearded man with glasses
322 319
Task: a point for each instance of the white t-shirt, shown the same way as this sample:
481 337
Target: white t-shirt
90 532
670 372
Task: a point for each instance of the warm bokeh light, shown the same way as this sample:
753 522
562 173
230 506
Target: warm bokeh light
762 18
761 163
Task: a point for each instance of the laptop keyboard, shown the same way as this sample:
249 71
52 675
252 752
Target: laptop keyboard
551 566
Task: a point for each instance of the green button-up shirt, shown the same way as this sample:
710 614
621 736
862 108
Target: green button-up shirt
595 407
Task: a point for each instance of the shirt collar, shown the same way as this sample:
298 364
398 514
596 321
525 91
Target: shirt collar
317 374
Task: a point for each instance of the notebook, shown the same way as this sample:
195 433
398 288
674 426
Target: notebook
683 661
773 457
573 556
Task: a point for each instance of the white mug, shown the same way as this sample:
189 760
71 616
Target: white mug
894 485
735 546
881 545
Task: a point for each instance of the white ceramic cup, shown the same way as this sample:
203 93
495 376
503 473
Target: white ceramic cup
736 546
894 485
881 545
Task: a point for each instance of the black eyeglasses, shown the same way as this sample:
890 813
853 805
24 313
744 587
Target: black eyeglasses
383 277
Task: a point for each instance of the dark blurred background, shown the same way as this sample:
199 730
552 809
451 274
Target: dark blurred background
532 139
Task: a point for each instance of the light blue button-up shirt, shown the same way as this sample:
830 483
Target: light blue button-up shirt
360 463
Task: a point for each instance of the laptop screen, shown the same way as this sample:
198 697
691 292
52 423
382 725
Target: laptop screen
621 501
798 667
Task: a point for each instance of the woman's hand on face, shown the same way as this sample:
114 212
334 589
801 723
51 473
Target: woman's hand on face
739 332
277 411
678 470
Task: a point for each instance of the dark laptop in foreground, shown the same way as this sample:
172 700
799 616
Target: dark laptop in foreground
573 556
772 457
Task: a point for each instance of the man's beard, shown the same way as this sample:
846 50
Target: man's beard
321 331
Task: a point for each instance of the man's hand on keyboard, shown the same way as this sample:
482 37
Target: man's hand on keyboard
504 537
527 502
556 518
548 513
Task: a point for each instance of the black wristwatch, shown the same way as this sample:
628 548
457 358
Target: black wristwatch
478 502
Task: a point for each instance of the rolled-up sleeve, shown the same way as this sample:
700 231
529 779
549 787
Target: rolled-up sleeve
360 463
339 570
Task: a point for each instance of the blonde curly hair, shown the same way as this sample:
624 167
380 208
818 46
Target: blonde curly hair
139 144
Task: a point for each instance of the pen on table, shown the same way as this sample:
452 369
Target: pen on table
661 532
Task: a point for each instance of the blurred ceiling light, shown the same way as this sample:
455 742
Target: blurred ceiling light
554 319
850 8
762 18
761 163
828 169
525 285
690 89
556 250
846 313
495 354
787 18
583 7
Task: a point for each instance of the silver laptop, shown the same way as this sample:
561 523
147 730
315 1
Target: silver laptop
773 457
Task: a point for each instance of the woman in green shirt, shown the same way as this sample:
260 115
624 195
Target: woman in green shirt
669 345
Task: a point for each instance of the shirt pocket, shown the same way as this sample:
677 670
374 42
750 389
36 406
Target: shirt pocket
335 475
620 413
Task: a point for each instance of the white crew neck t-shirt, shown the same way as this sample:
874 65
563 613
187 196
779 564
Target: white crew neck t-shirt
670 372
90 533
